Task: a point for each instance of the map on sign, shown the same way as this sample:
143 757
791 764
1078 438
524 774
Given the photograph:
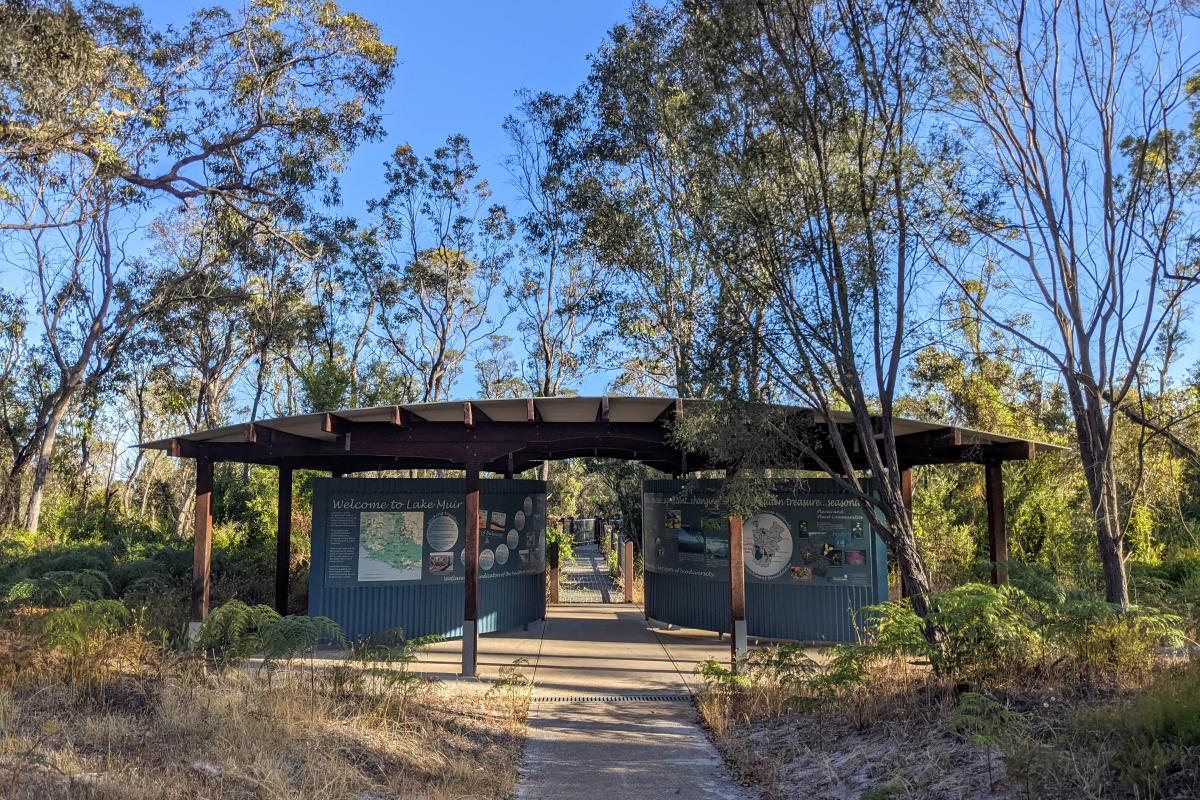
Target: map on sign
389 545
766 545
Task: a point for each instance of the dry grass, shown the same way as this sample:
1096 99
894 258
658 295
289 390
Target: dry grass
893 737
173 732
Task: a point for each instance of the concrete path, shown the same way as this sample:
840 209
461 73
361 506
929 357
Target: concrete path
612 716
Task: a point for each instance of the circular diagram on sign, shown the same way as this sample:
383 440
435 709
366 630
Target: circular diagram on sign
766 545
442 532
527 506
519 520
513 539
501 554
487 558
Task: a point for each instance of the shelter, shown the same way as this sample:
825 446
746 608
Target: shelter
508 436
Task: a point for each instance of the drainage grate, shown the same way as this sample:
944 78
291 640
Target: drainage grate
616 698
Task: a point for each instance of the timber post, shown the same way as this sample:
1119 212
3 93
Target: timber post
906 496
202 546
993 480
283 542
470 647
627 569
552 563
737 593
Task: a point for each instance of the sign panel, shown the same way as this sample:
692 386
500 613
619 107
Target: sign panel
394 536
812 532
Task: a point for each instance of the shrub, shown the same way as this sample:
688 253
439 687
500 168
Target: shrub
1153 734
59 589
85 635
284 638
985 632
235 631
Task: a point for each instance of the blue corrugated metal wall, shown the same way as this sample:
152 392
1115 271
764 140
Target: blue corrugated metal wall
803 613
420 609
779 610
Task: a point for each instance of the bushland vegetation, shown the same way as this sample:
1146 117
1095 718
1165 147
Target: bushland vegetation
1027 690
976 213
96 702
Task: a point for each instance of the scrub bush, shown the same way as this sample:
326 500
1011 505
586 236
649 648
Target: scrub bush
1153 737
284 638
235 631
59 589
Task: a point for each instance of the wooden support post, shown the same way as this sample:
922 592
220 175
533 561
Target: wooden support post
906 494
993 480
470 647
627 570
202 546
737 593
283 541
552 570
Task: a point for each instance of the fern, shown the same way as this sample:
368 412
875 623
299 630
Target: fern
720 679
287 637
896 630
847 667
989 724
70 626
235 630
60 588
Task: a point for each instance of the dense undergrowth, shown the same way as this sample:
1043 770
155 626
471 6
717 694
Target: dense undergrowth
1057 693
96 702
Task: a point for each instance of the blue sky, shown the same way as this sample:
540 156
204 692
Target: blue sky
459 67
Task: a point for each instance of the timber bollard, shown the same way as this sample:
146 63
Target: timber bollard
552 564
627 570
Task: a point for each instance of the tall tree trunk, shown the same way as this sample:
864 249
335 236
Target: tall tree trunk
1095 456
33 511
902 540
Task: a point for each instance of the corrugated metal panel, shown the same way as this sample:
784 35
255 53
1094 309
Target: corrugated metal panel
802 613
420 609
806 613
777 609
510 602
688 602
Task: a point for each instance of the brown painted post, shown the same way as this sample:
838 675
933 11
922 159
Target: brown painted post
737 592
906 491
470 648
202 546
993 480
283 541
552 564
627 570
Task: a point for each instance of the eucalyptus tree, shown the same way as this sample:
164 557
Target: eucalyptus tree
644 217
105 119
496 371
443 247
251 109
825 170
560 290
1082 119
340 362
89 297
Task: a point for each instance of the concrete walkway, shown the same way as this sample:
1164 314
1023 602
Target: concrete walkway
611 717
